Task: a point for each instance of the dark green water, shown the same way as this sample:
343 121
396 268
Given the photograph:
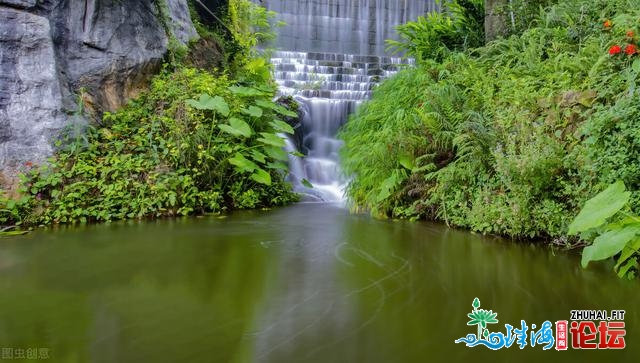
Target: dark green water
307 283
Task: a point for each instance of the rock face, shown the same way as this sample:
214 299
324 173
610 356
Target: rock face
54 51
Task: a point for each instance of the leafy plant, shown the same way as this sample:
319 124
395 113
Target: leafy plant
458 26
617 232
509 138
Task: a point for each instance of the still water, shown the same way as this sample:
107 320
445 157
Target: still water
306 283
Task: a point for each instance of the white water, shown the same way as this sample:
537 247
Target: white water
330 57
343 26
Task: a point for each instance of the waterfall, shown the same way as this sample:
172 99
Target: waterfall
343 26
329 57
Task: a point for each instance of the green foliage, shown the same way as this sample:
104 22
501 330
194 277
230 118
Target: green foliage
509 138
459 25
187 146
196 142
11 213
618 232
176 50
523 14
251 24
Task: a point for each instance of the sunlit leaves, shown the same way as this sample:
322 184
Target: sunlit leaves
271 139
608 244
206 102
242 164
281 126
601 207
276 107
276 153
237 127
262 177
387 187
252 111
247 91
622 236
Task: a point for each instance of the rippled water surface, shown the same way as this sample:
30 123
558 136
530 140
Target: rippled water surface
306 283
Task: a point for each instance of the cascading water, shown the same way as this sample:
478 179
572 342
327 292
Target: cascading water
330 56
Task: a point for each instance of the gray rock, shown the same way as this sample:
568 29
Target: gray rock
181 24
53 50
30 93
23 4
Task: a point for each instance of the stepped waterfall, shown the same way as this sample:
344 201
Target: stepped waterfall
329 57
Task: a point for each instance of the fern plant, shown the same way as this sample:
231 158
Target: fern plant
458 26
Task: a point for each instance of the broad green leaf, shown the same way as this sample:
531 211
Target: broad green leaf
281 126
258 156
236 127
261 177
297 153
629 250
597 209
269 105
246 91
386 188
636 66
278 165
285 111
242 164
271 139
276 153
252 111
406 161
607 245
306 183
206 102
626 267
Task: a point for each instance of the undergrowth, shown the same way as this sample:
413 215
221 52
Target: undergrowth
198 141
509 138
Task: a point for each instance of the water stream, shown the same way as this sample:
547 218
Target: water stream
330 56
328 87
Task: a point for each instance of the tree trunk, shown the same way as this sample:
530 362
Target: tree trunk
495 20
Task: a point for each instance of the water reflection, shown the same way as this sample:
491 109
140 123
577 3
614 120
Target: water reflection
308 283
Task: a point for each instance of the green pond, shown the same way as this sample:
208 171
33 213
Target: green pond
306 283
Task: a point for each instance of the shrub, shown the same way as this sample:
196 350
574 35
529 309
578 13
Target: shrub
195 143
509 138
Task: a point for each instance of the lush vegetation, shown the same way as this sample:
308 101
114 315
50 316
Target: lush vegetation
198 141
510 138
458 26
614 230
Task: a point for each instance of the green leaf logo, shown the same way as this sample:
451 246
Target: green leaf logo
481 318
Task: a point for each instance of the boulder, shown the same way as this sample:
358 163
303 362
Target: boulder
55 52
31 109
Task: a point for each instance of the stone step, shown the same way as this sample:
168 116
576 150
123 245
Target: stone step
329 86
342 57
313 76
335 95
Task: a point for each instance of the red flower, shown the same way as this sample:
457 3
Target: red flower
615 50
630 49
630 34
28 164
607 24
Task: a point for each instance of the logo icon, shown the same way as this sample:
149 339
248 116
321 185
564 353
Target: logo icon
583 332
